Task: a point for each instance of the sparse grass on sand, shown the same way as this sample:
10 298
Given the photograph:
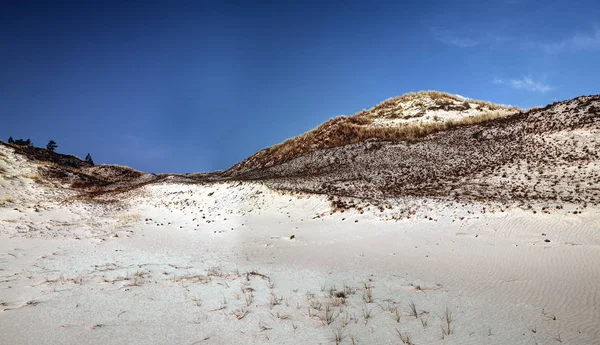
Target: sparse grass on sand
7 200
34 177
447 328
125 219
345 130
391 106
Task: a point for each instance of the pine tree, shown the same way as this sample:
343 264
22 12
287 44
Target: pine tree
22 142
11 140
89 159
51 146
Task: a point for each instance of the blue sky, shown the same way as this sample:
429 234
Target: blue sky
187 86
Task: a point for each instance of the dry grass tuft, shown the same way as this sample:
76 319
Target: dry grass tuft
328 316
447 319
413 309
7 200
314 302
339 335
125 219
35 177
274 300
404 337
248 295
367 293
366 313
241 313
424 322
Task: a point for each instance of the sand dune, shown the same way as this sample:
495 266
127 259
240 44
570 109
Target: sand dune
215 264
100 255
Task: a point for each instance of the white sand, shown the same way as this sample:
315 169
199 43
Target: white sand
422 111
183 276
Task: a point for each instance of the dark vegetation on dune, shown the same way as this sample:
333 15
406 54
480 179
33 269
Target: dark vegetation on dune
549 154
346 130
83 175
46 155
534 155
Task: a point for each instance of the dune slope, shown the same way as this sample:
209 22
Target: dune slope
476 234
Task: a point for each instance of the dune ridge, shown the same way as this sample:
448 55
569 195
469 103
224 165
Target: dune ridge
485 233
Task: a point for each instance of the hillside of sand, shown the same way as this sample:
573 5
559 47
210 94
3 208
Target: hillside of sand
105 254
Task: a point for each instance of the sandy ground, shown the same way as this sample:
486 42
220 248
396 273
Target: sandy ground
217 264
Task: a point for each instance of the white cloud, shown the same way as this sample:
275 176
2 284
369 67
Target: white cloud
461 97
527 83
577 42
450 38
573 42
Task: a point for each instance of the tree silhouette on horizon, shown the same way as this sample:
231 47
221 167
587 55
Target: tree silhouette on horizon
51 145
89 159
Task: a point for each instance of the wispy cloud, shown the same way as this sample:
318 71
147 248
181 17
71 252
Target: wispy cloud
452 39
525 83
577 42
461 97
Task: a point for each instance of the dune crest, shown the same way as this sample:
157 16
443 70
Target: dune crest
481 231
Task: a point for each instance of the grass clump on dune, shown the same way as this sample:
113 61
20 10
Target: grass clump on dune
124 219
7 200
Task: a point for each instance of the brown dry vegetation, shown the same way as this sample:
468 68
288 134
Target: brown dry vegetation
549 154
345 130
392 107
43 155
91 181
